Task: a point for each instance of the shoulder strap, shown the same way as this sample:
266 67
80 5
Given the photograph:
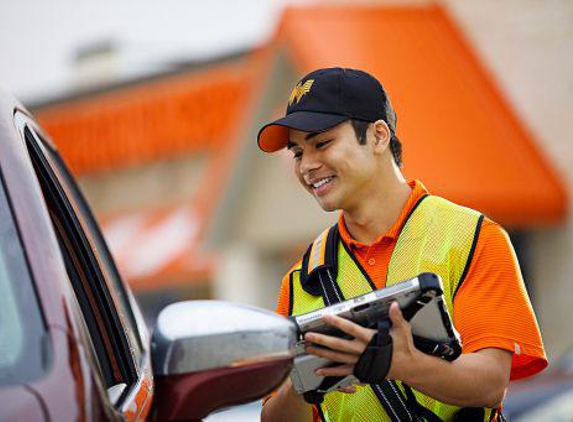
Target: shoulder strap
320 267
391 399
318 277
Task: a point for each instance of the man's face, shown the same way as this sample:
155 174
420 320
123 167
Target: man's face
333 166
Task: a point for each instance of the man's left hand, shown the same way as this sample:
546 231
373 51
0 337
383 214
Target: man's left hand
347 351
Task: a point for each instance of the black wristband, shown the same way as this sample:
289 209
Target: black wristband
313 397
374 363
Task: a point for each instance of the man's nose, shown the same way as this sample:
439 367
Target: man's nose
309 162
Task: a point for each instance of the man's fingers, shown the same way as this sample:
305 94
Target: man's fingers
347 390
334 343
332 355
396 315
335 371
349 327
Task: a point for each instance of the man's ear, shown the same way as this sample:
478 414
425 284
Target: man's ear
382 134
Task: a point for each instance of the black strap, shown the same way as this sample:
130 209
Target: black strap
412 309
446 350
313 397
322 282
421 412
331 292
321 414
310 280
470 414
374 363
309 284
331 249
392 401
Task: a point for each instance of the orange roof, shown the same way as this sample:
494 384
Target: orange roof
460 136
151 120
206 110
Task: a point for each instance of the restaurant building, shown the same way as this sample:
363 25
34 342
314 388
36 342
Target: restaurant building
192 209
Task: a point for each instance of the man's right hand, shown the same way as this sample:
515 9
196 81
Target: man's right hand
286 406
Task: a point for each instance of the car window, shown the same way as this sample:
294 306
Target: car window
21 325
123 300
101 297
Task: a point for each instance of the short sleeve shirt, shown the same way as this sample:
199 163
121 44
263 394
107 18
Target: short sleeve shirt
491 309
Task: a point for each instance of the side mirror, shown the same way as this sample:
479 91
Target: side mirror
211 354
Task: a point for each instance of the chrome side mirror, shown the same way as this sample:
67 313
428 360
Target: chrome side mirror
212 354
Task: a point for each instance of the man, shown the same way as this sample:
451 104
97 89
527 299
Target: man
341 130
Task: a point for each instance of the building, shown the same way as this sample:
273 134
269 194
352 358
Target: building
192 208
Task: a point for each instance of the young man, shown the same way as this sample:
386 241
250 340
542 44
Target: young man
341 130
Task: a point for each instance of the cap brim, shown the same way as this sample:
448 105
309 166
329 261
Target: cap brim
274 136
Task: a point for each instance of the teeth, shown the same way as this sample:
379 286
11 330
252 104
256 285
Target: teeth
321 182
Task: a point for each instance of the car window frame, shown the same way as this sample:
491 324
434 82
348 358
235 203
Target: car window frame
125 346
121 295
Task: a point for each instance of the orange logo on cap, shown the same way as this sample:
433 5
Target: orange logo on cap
299 90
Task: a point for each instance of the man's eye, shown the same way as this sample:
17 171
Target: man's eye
322 144
297 155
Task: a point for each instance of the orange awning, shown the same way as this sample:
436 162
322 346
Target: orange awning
460 136
201 111
152 120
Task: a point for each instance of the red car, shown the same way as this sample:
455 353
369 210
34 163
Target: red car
73 344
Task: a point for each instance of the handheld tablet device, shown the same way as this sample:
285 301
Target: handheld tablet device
422 304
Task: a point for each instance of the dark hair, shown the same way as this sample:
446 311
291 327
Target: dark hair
360 127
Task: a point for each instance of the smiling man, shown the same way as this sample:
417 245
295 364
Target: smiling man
341 130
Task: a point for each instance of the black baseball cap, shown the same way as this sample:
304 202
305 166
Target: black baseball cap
325 98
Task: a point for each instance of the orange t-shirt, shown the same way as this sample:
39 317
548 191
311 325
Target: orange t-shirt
491 308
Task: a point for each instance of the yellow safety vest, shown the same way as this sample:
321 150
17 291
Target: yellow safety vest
439 237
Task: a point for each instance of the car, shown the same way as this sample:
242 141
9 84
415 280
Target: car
73 343
549 394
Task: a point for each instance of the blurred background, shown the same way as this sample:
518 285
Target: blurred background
156 106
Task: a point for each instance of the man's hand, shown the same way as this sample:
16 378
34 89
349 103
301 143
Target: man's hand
404 352
286 406
344 351
347 351
477 379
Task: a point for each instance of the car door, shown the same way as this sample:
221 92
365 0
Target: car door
94 355
22 328
115 328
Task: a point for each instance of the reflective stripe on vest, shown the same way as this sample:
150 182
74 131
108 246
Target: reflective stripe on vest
438 237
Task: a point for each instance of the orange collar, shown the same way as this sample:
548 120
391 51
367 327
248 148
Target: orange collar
418 190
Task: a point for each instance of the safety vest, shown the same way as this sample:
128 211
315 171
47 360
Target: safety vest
439 237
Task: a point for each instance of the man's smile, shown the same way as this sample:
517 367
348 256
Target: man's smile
321 186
